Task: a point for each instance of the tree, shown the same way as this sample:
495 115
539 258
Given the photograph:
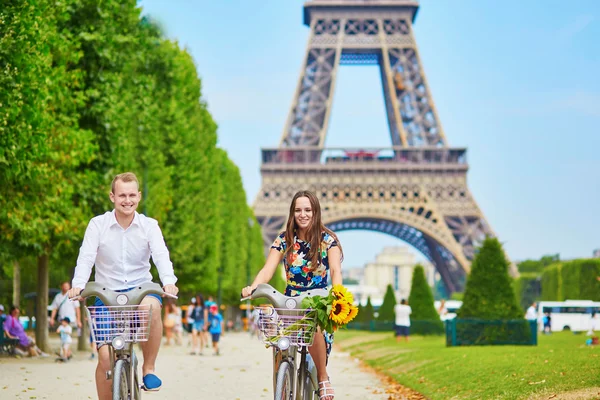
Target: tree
367 314
489 293
424 316
386 311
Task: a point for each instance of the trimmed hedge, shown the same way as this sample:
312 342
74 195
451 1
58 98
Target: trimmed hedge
571 280
386 311
527 288
421 302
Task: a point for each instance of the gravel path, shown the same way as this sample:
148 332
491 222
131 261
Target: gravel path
243 371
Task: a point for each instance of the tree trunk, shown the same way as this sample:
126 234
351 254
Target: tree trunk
16 283
83 341
41 317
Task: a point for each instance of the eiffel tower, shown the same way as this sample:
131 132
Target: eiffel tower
416 189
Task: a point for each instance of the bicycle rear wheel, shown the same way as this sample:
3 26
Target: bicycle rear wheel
120 378
283 387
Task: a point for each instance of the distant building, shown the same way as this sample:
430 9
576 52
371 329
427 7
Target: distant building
596 253
394 265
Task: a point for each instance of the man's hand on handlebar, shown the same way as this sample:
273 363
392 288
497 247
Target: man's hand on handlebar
74 292
171 290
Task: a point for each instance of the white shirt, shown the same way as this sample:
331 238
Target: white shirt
65 334
402 314
531 314
122 256
65 307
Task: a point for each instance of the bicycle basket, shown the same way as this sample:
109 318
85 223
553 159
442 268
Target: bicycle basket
297 325
132 323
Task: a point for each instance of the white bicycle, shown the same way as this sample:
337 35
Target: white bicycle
285 328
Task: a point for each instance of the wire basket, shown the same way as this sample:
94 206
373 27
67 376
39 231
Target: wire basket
132 323
297 325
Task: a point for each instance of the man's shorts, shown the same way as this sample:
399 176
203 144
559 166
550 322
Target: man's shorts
402 330
103 328
215 337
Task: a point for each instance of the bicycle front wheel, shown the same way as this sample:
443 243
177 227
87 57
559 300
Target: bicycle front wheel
283 387
120 378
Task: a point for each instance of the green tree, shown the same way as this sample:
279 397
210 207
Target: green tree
386 311
424 317
367 314
489 293
41 149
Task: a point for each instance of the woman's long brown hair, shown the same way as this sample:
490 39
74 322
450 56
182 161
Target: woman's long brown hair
314 234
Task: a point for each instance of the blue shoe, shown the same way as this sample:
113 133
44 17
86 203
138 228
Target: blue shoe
152 383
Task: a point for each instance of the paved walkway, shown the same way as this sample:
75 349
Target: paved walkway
243 372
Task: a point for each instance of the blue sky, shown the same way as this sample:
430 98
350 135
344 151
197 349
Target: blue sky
516 82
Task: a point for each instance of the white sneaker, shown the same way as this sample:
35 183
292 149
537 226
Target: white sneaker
44 355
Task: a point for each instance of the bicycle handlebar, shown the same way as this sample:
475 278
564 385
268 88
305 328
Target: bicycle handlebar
279 300
111 297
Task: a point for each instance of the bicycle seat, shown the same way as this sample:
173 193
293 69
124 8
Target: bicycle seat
280 300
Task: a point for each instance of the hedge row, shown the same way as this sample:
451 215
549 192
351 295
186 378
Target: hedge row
576 279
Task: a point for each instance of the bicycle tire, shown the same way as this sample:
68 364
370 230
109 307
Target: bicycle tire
283 388
120 388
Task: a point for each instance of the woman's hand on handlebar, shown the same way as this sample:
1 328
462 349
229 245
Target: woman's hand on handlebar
171 290
74 292
247 291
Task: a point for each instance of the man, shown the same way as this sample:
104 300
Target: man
119 243
531 313
65 308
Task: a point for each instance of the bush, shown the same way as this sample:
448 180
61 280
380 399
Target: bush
489 293
489 296
527 288
551 283
572 280
386 311
367 314
423 309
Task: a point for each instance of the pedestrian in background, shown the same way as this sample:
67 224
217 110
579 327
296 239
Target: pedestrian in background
402 327
215 327
64 308
65 331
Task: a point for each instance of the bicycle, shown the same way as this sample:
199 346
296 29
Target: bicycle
285 327
120 323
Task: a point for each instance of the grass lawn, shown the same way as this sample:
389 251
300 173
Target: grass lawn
560 363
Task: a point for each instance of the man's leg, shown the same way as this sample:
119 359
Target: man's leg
103 385
150 348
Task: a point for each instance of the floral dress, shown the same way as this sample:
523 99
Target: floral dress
299 275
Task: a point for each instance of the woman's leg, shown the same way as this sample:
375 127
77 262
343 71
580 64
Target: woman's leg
318 352
195 340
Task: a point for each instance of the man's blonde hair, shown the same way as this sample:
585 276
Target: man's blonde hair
125 177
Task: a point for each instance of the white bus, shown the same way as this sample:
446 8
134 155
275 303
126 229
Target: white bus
574 315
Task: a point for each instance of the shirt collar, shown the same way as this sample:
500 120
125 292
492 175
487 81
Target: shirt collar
113 218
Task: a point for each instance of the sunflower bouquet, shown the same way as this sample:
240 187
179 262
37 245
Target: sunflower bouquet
329 313
332 311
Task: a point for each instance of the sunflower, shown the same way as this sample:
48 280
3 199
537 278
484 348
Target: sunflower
341 293
339 311
352 314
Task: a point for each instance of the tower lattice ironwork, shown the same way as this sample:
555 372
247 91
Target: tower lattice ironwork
416 189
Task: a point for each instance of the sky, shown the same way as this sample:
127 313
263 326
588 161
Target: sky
516 83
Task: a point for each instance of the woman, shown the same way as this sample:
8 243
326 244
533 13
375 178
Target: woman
200 316
169 321
309 252
14 330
